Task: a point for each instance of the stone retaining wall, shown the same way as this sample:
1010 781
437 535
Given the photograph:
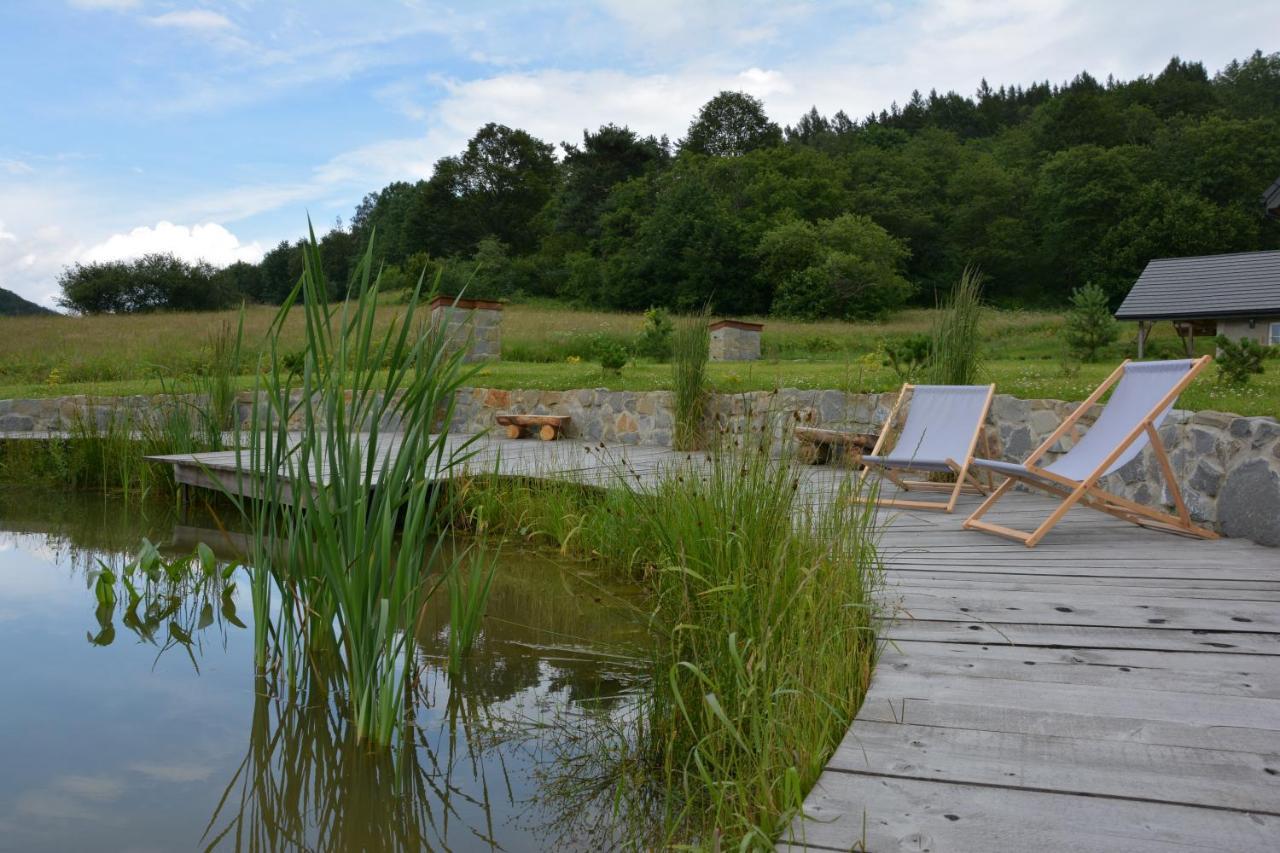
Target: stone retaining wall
1228 466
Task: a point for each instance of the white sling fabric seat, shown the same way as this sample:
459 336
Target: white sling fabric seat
941 430
1139 390
1142 396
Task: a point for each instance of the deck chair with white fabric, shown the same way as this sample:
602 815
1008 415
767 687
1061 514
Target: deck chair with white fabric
1130 421
939 436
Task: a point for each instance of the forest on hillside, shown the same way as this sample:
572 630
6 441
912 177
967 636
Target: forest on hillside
1043 187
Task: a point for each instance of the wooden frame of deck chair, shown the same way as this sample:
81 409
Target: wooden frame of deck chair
1129 422
956 416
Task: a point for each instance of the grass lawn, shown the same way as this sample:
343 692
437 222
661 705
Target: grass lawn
119 355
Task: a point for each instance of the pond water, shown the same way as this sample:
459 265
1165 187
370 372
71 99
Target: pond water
120 733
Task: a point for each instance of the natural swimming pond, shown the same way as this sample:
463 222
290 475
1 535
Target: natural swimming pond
139 724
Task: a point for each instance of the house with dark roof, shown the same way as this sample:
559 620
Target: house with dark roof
1236 295
1271 200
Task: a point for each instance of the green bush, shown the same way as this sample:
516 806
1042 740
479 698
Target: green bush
1090 327
1237 361
611 355
847 268
654 340
907 356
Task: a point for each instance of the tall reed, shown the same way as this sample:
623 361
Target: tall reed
690 352
956 336
468 597
334 587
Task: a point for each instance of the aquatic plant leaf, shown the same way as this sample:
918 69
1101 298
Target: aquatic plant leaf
229 607
208 562
148 558
104 588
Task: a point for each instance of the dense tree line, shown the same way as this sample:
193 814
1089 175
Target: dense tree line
1045 188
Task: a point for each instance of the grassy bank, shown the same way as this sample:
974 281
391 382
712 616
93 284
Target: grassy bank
548 346
762 609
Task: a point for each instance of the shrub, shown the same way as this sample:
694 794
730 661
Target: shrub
158 281
907 356
612 356
1089 326
1237 361
847 267
654 340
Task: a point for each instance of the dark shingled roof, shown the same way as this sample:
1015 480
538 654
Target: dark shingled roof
1205 287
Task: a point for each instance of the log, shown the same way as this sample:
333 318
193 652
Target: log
819 446
547 427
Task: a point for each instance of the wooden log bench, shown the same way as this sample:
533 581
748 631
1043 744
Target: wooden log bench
546 427
820 446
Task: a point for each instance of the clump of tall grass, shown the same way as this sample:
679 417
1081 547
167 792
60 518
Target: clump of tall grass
956 350
690 350
468 596
210 410
761 596
334 587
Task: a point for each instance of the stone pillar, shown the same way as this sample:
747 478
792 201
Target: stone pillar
734 340
473 323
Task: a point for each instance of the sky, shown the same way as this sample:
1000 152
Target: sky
214 129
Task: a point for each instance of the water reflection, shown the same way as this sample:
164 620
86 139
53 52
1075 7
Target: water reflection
155 734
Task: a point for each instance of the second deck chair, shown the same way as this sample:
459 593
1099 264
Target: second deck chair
941 431
1144 393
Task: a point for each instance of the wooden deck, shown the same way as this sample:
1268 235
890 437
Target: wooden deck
1114 689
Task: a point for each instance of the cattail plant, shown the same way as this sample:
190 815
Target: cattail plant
343 458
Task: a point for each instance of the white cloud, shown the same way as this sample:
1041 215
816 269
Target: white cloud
113 5
192 19
208 242
15 167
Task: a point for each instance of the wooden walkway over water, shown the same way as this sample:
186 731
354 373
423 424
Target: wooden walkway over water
1114 689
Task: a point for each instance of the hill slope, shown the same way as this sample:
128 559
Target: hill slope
13 305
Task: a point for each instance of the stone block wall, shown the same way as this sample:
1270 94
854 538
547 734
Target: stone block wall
598 414
474 323
734 340
1228 466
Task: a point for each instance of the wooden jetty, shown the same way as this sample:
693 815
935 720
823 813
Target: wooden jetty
1114 689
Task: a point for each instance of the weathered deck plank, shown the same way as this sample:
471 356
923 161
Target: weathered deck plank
1114 689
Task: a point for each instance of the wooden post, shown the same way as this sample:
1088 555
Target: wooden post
1144 328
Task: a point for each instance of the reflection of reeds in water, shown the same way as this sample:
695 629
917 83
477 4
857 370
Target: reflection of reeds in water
309 781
